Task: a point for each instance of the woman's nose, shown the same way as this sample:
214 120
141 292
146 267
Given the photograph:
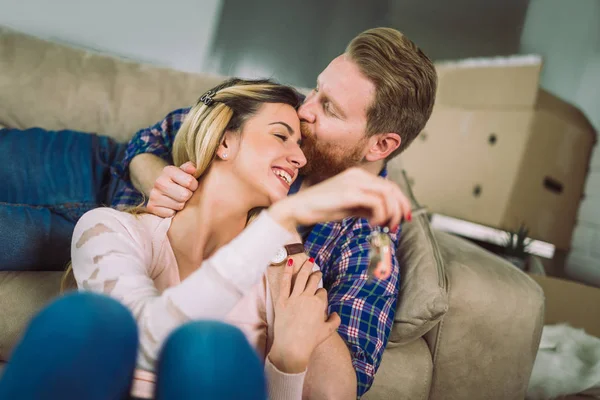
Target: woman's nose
297 158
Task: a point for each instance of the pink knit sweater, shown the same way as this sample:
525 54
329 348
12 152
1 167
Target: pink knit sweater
130 258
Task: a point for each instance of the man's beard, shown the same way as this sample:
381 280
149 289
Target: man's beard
324 160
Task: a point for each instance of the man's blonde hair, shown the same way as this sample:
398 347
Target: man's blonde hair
405 83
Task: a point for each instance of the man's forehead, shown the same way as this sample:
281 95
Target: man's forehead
343 81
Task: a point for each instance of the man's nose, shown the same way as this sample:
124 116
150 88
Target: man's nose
306 113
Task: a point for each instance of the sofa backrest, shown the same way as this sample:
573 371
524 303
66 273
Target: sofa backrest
49 85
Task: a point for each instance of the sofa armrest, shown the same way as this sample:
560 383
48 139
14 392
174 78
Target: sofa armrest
485 345
404 373
22 295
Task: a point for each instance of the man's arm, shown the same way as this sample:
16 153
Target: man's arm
144 170
330 374
139 173
157 140
366 308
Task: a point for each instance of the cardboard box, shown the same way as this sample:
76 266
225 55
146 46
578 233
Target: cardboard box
570 302
499 151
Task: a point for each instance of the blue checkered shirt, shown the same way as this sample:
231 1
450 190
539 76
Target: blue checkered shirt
339 248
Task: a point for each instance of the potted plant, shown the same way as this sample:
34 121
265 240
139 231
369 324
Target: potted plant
516 247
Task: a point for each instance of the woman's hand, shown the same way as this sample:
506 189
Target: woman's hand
354 192
172 189
301 321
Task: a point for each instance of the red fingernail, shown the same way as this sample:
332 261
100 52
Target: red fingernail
290 262
311 260
409 217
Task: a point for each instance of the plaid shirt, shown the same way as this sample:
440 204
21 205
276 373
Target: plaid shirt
367 309
339 248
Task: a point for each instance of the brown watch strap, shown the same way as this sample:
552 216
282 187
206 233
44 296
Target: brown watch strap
295 248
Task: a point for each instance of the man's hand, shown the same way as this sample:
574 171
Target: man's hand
172 190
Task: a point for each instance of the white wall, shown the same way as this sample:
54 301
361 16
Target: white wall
175 33
567 35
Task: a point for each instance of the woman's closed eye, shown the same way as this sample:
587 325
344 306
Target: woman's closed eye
282 136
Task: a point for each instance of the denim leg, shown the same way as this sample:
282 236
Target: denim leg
34 238
209 360
81 346
48 179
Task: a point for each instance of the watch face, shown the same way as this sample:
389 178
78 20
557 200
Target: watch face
280 256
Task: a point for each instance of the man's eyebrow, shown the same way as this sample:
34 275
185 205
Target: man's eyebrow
334 103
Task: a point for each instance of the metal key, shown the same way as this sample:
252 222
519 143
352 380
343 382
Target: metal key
380 255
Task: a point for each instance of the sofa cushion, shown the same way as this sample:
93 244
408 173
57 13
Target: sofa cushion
22 295
423 297
55 87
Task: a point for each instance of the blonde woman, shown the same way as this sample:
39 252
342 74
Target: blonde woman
210 261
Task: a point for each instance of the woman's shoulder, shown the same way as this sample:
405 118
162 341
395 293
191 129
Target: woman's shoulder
136 226
109 216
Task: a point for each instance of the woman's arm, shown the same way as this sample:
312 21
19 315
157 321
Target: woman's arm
112 254
300 324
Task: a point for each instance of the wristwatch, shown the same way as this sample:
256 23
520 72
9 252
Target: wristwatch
286 251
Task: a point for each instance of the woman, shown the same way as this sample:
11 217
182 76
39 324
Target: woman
210 260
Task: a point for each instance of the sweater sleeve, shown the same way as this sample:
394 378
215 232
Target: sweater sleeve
112 254
283 386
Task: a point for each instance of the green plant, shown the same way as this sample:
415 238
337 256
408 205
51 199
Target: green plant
517 243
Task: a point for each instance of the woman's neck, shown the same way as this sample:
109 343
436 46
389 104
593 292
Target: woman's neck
215 214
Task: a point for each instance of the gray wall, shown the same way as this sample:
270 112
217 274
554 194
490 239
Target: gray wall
294 41
290 41
454 29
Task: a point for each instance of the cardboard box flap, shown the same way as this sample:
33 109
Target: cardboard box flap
502 82
547 102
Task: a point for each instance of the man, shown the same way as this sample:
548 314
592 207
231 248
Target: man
368 105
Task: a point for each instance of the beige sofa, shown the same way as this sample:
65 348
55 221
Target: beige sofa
468 324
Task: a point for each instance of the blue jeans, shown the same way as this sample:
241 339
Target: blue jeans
83 346
50 179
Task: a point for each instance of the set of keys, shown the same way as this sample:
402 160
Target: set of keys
380 252
380 255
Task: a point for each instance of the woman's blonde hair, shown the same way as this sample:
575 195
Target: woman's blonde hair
224 108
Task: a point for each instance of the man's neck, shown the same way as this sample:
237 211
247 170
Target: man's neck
374 167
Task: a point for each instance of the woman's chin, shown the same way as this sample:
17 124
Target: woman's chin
277 195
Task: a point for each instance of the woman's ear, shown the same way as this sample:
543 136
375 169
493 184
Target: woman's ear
229 146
